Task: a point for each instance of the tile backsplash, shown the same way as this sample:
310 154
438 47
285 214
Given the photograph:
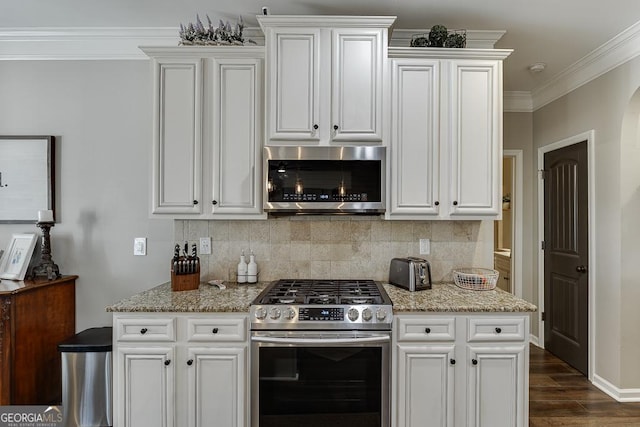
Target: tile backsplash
336 247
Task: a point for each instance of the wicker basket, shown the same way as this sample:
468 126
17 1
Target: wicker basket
475 279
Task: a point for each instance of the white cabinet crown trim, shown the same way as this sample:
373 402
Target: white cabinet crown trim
325 21
445 53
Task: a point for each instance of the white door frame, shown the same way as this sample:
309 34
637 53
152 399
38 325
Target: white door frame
516 223
589 137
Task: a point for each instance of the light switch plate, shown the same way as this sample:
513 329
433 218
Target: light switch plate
425 246
205 246
140 246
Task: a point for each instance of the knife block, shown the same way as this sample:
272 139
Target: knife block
185 282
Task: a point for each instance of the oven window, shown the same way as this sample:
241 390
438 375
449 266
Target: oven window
320 386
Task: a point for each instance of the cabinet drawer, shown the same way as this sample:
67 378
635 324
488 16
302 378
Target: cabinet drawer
146 329
217 329
502 263
492 329
426 329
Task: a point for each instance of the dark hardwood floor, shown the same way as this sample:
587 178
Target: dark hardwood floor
559 395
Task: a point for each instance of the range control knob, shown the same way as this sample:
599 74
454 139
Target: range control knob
367 314
260 313
275 313
353 314
381 314
289 313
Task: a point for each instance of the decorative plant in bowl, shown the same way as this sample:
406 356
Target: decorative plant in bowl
223 35
439 36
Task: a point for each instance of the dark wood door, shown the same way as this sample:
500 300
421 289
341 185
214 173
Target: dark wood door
566 255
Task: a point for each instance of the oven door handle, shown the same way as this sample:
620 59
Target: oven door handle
278 340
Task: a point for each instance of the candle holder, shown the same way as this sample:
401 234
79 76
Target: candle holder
47 268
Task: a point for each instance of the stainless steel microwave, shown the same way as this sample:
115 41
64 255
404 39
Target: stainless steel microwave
318 180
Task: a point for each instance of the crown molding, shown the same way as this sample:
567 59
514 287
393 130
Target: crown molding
517 102
326 21
448 53
622 48
104 43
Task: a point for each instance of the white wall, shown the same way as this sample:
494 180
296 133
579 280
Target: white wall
601 105
100 114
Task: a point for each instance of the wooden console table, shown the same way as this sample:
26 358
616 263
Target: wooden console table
35 315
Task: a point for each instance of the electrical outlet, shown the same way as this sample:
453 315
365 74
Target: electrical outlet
425 246
205 246
140 246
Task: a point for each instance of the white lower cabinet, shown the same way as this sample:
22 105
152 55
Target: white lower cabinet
144 386
460 370
195 377
215 378
496 385
425 385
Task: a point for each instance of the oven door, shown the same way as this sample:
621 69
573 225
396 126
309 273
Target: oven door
320 378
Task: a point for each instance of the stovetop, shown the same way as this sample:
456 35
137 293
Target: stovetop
322 304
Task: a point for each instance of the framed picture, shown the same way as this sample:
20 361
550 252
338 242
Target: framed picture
16 258
26 177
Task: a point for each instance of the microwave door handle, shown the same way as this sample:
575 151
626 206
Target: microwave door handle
278 340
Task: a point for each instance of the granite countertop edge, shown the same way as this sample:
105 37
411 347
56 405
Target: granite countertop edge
236 298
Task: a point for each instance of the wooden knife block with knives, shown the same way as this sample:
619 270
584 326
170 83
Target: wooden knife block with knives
185 270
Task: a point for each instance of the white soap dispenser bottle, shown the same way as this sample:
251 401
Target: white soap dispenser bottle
252 269
242 269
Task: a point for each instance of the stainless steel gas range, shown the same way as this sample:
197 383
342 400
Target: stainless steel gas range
320 353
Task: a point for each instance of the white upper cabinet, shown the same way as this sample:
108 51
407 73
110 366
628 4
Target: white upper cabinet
415 138
446 133
177 135
475 129
325 79
293 85
208 122
236 136
356 84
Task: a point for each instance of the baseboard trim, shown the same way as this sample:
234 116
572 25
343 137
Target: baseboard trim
534 340
619 394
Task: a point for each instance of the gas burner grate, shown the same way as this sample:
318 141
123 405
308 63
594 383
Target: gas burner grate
323 292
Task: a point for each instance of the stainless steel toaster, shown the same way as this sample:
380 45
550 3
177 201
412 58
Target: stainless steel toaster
413 274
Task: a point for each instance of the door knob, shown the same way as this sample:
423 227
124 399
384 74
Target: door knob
581 269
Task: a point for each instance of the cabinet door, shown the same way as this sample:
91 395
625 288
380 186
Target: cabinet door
415 137
177 136
497 386
356 96
217 386
425 385
236 131
143 386
476 137
293 84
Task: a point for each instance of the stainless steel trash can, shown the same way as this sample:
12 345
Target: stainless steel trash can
86 378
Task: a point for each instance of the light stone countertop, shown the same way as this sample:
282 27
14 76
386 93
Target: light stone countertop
444 297
447 297
207 298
